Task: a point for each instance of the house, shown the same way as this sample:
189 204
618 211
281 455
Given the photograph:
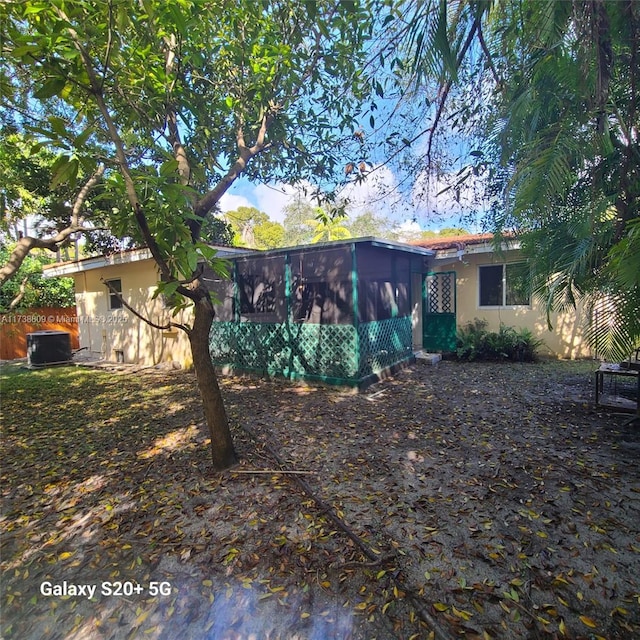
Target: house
344 312
490 285
107 329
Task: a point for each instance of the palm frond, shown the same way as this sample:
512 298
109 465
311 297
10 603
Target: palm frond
613 330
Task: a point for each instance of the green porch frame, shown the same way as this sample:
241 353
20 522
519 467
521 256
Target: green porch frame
363 330
339 354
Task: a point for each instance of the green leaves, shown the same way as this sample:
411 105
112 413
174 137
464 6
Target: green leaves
65 170
554 106
52 87
170 95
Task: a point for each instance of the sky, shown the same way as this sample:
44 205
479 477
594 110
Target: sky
423 207
406 197
421 202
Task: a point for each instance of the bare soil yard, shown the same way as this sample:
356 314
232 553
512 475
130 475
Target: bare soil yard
455 501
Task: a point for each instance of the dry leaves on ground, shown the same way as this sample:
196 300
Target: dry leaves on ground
462 500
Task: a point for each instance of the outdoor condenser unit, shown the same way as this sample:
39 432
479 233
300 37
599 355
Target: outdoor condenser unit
45 348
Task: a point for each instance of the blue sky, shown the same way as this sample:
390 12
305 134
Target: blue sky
422 204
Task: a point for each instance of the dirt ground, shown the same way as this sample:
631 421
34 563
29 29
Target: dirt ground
451 501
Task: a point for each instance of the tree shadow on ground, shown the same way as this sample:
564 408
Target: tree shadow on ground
497 494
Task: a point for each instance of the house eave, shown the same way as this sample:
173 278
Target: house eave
330 244
97 262
121 258
452 253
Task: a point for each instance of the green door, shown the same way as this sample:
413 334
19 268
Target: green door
439 311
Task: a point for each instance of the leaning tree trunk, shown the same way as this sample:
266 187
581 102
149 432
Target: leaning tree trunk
222 451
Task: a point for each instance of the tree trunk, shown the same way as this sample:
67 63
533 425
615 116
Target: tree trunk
222 451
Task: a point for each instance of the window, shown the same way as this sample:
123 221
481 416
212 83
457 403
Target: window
261 290
504 285
114 300
257 294
321 286
321 302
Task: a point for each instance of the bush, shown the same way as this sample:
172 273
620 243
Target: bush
36 290
508 343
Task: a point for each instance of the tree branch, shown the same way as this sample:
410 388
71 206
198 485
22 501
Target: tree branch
245 154
179 152
449 84
487 53
127 306
121 157
84 193
27 243
23 289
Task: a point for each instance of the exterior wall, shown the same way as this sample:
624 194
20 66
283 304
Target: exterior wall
565 340
106 332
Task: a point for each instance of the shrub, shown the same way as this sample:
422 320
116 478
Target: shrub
475 342
36 290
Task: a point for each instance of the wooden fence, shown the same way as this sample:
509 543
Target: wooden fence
14 327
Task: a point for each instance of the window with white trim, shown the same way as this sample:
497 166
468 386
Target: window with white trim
114 301
504 285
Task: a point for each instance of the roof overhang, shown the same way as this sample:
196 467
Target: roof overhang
121 258
473 249
317 246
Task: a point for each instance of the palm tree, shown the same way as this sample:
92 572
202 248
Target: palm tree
329 226
557 113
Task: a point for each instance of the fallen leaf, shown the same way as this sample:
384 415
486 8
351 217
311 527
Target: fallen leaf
588 622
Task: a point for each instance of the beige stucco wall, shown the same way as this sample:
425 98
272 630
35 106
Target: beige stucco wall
105 332
565 340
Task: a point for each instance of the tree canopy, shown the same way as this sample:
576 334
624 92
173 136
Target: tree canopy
167 104
548 94
29 289
252 228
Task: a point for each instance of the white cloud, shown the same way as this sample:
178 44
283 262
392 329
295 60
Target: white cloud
272 199
409 230
427 204
377 192
230 202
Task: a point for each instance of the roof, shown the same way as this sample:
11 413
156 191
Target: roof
370 240
454 242
445 246
127 256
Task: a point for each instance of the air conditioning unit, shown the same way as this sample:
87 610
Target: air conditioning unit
47 348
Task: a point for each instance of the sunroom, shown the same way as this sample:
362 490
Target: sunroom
343 312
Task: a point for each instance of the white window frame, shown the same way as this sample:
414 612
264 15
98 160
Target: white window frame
504 304
112 296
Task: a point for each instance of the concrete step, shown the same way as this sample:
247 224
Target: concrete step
427 358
